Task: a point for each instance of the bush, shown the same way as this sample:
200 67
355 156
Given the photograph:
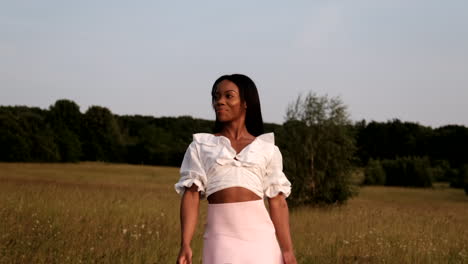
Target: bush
408 171
441 171
466 178
459 177
374 174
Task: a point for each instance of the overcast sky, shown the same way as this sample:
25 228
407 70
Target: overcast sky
386 59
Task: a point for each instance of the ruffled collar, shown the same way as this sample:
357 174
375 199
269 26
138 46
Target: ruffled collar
244 157
210 139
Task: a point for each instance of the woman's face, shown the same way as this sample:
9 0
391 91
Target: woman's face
227 102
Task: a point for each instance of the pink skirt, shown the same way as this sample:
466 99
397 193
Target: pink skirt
240 233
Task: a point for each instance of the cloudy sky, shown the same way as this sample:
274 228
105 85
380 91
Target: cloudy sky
386 59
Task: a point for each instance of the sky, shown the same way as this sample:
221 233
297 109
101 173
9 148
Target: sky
385 59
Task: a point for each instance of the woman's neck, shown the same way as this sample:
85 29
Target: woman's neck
235 130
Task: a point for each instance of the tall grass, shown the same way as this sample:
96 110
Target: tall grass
107 213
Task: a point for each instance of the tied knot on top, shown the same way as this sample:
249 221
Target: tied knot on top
237 161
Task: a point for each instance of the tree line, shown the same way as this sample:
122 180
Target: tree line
63 134
408 154
317 140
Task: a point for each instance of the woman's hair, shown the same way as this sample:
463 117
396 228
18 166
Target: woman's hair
249 94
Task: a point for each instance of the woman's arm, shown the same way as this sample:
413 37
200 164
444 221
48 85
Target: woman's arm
188 221
279 214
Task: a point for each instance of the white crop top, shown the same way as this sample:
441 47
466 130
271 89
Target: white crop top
212 164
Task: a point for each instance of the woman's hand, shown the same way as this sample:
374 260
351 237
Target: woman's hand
185 255
289 258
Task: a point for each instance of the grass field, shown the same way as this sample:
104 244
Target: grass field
108 213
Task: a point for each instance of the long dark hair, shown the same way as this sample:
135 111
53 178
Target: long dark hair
249 94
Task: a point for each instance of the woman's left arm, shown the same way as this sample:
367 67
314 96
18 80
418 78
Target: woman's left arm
279 214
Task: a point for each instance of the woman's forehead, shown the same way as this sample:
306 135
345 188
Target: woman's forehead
226 86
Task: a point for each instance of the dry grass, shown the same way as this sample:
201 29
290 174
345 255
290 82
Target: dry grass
386 225
103 213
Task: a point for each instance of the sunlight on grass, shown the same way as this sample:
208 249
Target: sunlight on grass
114 213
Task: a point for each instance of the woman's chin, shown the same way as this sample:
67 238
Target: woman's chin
223 120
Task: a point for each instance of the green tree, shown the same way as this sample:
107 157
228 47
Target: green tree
65 114
15 143
40 135
101 135
391 139
65 119
154 147
318 148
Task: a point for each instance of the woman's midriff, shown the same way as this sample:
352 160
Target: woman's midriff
232 195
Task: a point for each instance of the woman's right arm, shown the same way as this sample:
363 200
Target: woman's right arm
189 206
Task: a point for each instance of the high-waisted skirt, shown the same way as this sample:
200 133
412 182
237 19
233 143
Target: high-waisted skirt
240 233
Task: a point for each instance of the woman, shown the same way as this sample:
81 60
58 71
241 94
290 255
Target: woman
235 168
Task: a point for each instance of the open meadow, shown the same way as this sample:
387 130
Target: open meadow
115 213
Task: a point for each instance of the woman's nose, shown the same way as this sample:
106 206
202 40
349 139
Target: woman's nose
219 100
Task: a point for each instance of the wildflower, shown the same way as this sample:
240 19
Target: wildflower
124 231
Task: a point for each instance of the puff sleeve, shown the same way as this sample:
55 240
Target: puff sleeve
275 180
191 171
